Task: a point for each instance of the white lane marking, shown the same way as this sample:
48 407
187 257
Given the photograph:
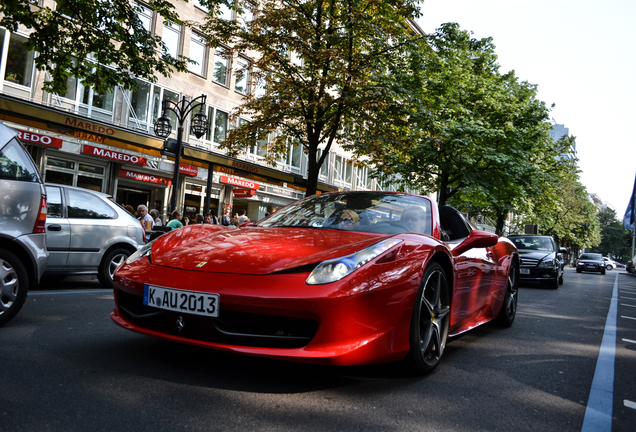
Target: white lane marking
598 413
629 404
626 317
627 298
624 304
629 340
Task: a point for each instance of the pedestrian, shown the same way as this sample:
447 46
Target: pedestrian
198 219
129 209
175 221
225 220
243 217
211 219
146 220
155 215
234 222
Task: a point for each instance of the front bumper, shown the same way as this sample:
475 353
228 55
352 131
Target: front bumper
276 316
537 274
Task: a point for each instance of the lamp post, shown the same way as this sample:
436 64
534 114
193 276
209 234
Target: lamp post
163 128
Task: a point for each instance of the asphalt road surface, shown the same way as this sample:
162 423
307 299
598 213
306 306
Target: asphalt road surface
64 366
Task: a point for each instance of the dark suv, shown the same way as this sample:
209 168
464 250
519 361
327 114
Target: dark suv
541 260
23 254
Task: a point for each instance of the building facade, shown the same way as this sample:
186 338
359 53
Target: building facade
105 142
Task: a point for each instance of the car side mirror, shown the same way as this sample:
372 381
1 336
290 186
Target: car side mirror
476 239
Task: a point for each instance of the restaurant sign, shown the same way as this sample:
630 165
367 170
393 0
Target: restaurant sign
144 177
239 182
39 139
114 155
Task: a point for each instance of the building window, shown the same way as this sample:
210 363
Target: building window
342 170
75 173
361 177
217 129
221 63
324 168
97 100
225 12
18 60
242 75
170 37
145 15
292 159
197 53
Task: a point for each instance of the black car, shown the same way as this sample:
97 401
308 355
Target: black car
591 262
541 260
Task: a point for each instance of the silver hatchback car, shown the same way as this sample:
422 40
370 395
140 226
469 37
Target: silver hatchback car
23 255
87 233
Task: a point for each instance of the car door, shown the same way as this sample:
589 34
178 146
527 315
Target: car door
58 231
91 229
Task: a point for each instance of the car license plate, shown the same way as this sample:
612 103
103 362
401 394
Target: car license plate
192 302
524 271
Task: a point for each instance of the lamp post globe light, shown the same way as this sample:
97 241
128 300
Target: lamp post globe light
163 128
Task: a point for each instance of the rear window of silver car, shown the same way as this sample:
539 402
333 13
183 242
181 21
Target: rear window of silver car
16 164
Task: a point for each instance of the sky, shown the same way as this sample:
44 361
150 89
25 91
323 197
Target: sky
582 56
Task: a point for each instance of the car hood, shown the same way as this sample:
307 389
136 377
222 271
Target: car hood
254 250
537 255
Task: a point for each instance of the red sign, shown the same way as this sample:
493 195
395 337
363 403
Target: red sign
239 182
39 139
144 177
114 155
187 169
243 193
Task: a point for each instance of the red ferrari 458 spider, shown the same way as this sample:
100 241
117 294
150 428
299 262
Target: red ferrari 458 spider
341 278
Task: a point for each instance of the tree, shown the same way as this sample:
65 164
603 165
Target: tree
327 71
102 43
615 240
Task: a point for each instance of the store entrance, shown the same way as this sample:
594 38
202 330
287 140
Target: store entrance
133 197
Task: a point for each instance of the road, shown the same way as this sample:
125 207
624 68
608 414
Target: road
64 366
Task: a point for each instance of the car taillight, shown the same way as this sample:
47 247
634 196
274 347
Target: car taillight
40 223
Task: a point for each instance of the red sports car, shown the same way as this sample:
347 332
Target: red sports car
341 278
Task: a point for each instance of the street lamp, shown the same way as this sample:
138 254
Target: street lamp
163 128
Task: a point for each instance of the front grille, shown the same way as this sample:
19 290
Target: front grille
231 327
529 262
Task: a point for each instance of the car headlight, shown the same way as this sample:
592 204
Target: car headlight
335 269
141 252
547 263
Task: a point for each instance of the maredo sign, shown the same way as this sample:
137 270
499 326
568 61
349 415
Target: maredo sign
238 182
114 155
39 139
189 170
144 177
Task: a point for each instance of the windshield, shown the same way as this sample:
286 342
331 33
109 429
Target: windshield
534 243
375 212
591 256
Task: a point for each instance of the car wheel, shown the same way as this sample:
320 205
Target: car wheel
509 308
561 279
578 270
14 285
109 264
429 321
609 267
554 283
603 271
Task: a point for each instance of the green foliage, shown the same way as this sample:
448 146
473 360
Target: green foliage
615 240
106 36
329 70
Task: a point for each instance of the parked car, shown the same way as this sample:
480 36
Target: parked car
610 264
88 233
631 266
23 254
339 278
541 260
590 262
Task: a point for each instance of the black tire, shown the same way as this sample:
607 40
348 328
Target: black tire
14 285
509 308
578 270
603 271
561 279
109 264
429 321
